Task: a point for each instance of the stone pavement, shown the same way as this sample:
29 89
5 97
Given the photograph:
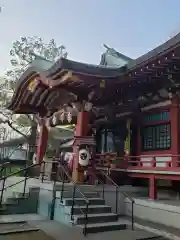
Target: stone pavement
26 236
60 231
20 217
159 229
63 232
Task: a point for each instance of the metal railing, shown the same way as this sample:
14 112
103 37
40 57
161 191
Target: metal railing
7 156
117 194
65 173
117 197
3 169
26 176
75 189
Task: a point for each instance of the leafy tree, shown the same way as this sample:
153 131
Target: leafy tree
22 54
24 50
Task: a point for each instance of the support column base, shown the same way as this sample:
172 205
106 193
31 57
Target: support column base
152 188
78 176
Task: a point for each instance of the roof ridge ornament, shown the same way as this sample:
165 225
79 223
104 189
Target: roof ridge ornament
106 46
41 62
113 51
39 57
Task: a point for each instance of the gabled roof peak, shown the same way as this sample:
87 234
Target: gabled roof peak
41 62
114 53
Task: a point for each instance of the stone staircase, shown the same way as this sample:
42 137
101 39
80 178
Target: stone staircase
38 198
19 203
100 217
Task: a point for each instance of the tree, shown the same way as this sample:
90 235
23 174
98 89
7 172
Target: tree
24 51
22 54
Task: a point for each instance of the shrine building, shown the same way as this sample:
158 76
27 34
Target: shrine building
126 113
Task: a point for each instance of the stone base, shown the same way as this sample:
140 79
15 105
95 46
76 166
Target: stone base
78 176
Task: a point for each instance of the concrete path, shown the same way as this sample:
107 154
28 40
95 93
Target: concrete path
159 229
59 231
27 236
63 232
20 217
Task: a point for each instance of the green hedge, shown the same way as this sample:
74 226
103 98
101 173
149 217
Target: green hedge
12 169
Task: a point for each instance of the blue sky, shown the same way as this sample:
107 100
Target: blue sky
132 27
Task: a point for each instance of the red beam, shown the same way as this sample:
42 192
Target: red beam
156 176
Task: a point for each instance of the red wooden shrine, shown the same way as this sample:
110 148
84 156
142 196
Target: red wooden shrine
145 91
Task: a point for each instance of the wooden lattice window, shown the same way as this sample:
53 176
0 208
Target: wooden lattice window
162 116
156 137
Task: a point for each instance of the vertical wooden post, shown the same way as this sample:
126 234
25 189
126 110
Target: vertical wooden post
175 139
81 130
82 125
152 188
42 143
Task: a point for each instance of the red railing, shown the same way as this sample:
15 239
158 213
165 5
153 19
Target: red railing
155 162
167 162
105 159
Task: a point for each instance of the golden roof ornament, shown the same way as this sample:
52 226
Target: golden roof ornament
102 83
33 84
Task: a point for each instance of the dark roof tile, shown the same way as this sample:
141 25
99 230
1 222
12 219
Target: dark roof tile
158 51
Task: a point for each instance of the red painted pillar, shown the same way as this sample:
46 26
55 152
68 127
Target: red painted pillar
175 139
42 143
82 125
152 188
81 131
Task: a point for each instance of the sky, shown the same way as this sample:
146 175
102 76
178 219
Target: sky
132 27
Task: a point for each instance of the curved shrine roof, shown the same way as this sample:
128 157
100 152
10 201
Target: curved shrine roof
46 86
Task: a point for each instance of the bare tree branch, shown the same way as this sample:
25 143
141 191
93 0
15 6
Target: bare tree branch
15 129
12 127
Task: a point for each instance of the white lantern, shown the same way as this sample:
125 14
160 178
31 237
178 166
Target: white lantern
88 106
84 157
34 158
62 116
69 117
54 120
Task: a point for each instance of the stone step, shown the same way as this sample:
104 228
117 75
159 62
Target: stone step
18 206
81 201
46 196
69 187
14 201
93 209
2 208
16 194
10 221
96 218
16 227
69 194
103 227
15 231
